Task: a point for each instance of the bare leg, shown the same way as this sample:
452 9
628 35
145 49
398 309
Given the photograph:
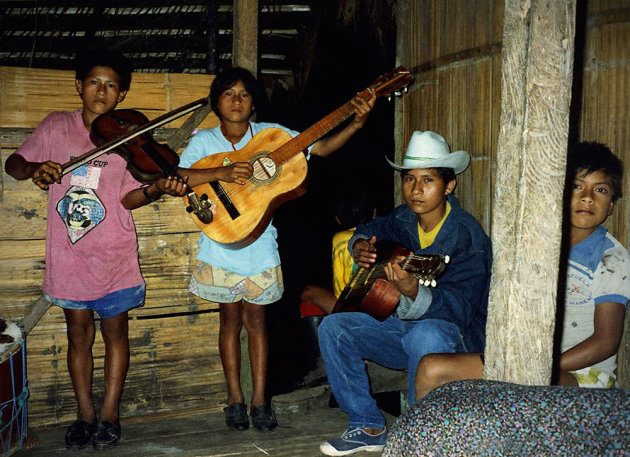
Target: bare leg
115 333
81 332
254 318
231 323
320 296
437 369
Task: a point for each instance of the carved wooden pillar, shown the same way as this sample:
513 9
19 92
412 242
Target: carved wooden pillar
537 71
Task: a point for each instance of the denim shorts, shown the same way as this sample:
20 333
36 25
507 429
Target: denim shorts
111 305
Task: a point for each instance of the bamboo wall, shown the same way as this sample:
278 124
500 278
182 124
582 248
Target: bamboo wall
453 48
167 373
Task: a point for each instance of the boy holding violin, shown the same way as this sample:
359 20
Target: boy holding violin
91 244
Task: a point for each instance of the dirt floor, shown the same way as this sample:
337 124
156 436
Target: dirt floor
305 420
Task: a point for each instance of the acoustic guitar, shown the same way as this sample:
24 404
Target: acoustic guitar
370 292
242 212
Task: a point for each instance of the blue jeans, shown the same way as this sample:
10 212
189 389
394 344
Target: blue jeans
111 305
347 339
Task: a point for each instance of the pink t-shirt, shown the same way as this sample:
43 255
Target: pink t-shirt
91 244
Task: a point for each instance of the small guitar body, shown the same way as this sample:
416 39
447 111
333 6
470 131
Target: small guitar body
240 213
370 292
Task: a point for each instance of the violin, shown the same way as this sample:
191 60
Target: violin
127 133
146 159
115 130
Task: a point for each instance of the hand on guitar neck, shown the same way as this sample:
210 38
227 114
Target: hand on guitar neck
365 255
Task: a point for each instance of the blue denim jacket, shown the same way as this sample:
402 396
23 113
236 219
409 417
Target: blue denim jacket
461 295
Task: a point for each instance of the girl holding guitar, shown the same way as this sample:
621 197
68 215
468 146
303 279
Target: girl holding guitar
244 279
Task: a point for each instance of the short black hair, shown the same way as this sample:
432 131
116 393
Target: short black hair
589 157
226 79
447 174
354 208
102 56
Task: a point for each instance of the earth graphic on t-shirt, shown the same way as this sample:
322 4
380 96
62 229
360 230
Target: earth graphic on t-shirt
81 210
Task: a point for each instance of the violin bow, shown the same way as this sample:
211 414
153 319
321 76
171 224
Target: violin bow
155 123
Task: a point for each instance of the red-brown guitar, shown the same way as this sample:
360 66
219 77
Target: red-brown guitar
242 212
370 292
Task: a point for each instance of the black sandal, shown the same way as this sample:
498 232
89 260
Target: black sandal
107 435
79 434
236 416
264 418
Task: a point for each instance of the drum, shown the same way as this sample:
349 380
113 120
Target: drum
13 390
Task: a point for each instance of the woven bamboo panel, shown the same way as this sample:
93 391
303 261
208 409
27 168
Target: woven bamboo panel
27 95
455 52
606 113
606 100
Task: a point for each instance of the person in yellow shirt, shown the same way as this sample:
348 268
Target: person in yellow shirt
350 212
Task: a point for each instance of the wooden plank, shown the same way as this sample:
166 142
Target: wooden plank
202 434
165 261
167 373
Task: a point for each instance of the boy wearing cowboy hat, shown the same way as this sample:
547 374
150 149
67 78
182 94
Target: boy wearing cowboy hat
448 318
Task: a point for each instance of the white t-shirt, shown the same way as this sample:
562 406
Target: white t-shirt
598 272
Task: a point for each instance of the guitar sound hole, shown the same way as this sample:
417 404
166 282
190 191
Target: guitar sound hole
265 169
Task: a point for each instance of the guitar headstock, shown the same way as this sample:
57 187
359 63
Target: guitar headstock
426 268
395 82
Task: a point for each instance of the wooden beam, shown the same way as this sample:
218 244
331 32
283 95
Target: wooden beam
36 312
245 35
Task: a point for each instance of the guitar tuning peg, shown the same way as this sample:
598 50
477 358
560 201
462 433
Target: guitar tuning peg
405 89
427 282
433 283
397 93
389 98
447 259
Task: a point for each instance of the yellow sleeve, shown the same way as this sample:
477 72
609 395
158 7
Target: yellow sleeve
342 261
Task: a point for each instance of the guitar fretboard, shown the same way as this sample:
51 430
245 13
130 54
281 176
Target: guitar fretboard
425 266
314 132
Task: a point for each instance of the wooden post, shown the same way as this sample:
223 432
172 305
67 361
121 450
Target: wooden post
212 25
245 54
401 115
245 35
537 69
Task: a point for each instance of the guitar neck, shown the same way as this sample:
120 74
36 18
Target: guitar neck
314 132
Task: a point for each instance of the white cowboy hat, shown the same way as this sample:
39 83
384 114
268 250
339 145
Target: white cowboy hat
430 150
